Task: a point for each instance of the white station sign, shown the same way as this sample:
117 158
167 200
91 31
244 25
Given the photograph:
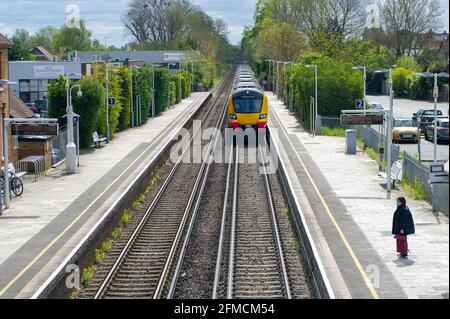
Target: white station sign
173 57
48 71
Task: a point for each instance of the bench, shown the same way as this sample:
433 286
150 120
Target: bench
98 139
396 172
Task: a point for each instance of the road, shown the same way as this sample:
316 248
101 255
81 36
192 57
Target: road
404 108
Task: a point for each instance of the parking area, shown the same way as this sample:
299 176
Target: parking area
404 108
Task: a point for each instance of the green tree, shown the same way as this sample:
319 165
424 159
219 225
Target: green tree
161 89
409 63
68 39
21 46
279 41
115 91
125 115
43 37
88 107
401 78
57 99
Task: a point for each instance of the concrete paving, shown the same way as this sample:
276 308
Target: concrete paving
345 202
40 225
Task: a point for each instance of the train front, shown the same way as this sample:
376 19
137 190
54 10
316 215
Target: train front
248 107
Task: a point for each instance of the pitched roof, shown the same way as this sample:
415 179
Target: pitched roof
4 43
17 108
41 51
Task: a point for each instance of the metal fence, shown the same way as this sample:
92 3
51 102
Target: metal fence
59 143
373 139
413 170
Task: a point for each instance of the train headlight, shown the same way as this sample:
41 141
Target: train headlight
263 116
233 117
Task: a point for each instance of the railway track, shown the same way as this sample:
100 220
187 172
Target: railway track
256 261
140 265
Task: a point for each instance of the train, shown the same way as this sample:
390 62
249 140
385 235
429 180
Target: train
247 103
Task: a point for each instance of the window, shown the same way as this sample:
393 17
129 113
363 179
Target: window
247 104
32 91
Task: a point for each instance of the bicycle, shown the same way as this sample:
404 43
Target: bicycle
15 184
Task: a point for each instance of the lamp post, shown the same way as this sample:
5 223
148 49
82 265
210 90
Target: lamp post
435 97
390 119
71 149
5 149
153 91
132 89
363 69
315 93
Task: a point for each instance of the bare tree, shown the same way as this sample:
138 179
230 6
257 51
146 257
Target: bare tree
406 22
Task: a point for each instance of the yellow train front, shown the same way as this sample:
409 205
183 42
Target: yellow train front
247 106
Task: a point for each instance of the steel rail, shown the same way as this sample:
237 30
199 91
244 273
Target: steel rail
207 164
275 227
233 226
222 226
150 209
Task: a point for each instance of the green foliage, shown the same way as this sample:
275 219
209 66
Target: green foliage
414 190
87 274
142 87
337 131
161 89
57 99
338 85
21 48
115 84
87 106
68 39
125 115
401 78
126 217
408 62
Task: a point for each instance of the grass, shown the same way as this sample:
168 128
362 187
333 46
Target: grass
414 190
87 275
125 220
337 131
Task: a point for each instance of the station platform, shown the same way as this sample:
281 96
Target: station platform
345 204
57 211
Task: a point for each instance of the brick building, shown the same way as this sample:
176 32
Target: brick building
4 98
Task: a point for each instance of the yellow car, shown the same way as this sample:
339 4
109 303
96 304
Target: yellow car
405 130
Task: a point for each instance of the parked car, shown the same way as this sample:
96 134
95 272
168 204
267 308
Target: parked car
425 117
405 130
442 130
374 106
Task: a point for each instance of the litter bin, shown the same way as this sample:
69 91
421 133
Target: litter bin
350 142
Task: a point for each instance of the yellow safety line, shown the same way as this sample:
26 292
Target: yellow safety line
333 220
32 262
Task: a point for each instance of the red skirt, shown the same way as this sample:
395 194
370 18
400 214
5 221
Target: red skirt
402 244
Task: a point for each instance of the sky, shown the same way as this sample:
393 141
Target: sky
104 17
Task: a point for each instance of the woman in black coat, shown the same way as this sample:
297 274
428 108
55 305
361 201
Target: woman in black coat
402 226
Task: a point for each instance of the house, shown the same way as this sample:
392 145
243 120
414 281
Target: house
42 54
5 100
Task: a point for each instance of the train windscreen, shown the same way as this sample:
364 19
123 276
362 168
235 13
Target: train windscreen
247 104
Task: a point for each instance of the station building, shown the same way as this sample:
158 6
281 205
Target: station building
171 59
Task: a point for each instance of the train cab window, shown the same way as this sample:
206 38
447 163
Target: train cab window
247 104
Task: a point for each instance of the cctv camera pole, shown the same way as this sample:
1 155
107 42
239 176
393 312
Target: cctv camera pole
389 135
71 149
107 102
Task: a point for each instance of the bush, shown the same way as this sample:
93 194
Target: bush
115 91
88 107
161 89
338 85
57 100
125 115
401 78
